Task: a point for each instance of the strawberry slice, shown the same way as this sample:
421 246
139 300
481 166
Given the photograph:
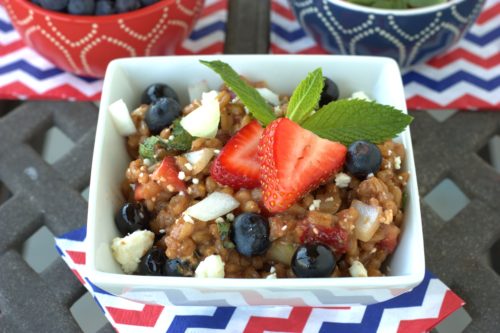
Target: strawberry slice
237 165
294 161
167 175
139 192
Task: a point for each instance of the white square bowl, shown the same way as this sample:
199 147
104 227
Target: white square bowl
127 78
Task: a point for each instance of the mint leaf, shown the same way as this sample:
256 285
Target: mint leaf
250 97
181 140
347 121
305 97
224 230
148 147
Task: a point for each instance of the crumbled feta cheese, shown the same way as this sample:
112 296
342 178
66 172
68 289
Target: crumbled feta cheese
370 175
211 267
283 228
329 199
235 100
216 151
170 188
360 95
317 203
161 231
181 175
358 270
147 162
272 270
342 180
397 162
196 181
230 216
129 250
312 207
271 276
189 166
219 220
389 152
188 218
171 137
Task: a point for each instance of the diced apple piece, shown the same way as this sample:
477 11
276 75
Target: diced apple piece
367 222
199 159
204 121
121 118
213 206
269 96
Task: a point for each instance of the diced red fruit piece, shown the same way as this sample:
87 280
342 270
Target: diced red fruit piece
237 165
167 175
335 237
139 192
294 161
391 238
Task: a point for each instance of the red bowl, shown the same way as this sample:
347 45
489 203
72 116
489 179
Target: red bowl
84 45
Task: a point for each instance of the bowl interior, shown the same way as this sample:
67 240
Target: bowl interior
397 12
127 78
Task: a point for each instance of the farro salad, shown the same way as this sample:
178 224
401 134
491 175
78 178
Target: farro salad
245 183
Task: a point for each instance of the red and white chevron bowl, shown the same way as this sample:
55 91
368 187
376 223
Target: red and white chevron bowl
84 45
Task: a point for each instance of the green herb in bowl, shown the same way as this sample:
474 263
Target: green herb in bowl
397 4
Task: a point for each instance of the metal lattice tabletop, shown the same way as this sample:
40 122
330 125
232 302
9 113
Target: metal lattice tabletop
452 156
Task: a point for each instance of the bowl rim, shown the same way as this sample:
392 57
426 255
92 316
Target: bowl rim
69 18
108 279
398 12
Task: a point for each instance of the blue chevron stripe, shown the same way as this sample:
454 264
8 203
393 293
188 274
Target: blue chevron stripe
76 235
209 29
96 289
373 313
485 39
6 26
457 77
290 36
37 72
219 320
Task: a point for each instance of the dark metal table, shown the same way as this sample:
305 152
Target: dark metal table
463 251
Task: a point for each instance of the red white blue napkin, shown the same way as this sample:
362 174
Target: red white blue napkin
417 311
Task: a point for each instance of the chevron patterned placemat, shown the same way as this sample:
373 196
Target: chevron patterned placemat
417 311
24 74
467 77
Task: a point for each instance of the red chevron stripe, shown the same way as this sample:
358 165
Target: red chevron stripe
77 257
283 11
14 46
295 322
148 316
275 49
489 14
212 49
219 5
19 90
460 53
464 102
451 303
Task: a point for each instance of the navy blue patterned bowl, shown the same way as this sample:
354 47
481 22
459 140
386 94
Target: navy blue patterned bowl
409 36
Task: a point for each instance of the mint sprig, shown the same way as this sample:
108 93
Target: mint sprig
305 97
250 97
181 141
347 121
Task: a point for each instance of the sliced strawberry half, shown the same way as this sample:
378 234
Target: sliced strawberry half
294 161
167 175
139 192
237 165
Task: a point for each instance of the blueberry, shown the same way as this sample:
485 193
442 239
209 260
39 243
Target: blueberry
362 159
156 91
152 262
313 260
251 234
104 7
123 6
148 2
132 216
81 7
57 5
177 267
161 114
330 92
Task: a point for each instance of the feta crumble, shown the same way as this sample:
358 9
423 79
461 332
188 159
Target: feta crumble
189 166
196 181
358 270
329 199
316 203
360 95
211 267
342 180
230 216
397 163
129 250
181 175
